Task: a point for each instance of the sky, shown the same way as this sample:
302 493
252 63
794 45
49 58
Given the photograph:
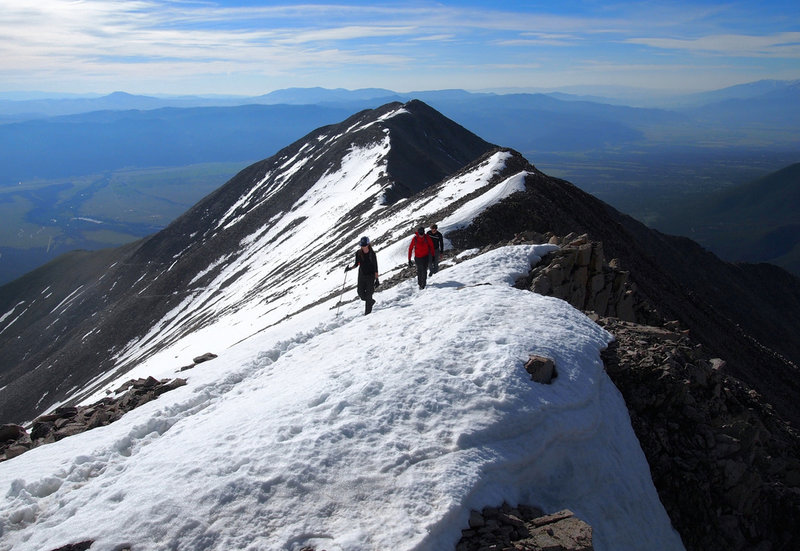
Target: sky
245 47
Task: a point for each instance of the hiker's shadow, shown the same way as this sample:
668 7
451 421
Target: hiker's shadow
455 284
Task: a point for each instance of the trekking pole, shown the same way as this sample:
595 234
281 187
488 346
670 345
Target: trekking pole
338 304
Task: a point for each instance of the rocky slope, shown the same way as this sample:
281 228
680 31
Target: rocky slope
724 462
747 314
725 465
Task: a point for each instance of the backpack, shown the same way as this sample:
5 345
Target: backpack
426 244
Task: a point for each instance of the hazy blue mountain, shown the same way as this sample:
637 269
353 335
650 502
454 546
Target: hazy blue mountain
536 123
28 95
754 222
48 107
772 110
740 91
15 107
306 96
109 139
104 140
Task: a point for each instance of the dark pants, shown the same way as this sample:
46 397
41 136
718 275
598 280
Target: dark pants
422 270
435 262
366 287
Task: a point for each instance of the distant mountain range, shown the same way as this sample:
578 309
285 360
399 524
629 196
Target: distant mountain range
43 104
67 137
69 148
753 222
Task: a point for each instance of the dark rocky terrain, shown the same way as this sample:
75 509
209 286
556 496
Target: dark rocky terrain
71 420
748 314
725 463
727 468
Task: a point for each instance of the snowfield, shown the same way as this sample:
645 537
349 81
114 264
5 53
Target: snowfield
356 432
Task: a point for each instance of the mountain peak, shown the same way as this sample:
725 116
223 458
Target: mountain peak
240 252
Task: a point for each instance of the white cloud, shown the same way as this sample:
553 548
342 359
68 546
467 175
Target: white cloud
105 40
785 44
352 32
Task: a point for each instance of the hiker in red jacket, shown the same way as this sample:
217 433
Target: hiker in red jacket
422 245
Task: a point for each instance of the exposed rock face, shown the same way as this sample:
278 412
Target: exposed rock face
71 420
747 314
579 274
726 467
525 529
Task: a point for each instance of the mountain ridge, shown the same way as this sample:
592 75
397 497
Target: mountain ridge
259 254
179 261
729 308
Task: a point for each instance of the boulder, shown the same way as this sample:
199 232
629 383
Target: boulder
541 369
11 432
204 358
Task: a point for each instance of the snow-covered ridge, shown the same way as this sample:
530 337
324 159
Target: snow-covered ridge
359 433
251 288
267 244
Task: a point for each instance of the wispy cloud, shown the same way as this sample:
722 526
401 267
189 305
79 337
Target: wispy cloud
786 44
542 39
344 33
361 44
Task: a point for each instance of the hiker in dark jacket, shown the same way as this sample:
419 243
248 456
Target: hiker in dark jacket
367 263
438 248
422 246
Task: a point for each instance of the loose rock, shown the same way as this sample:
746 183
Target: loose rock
72 420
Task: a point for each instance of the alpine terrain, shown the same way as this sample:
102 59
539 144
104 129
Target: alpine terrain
569 379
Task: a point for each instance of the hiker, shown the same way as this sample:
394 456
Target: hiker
422 245
438 248
367 264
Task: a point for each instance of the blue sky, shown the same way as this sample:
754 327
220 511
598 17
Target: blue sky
249 47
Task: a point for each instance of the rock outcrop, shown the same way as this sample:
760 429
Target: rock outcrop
579 274
541 369
726 466
524 528
71 420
